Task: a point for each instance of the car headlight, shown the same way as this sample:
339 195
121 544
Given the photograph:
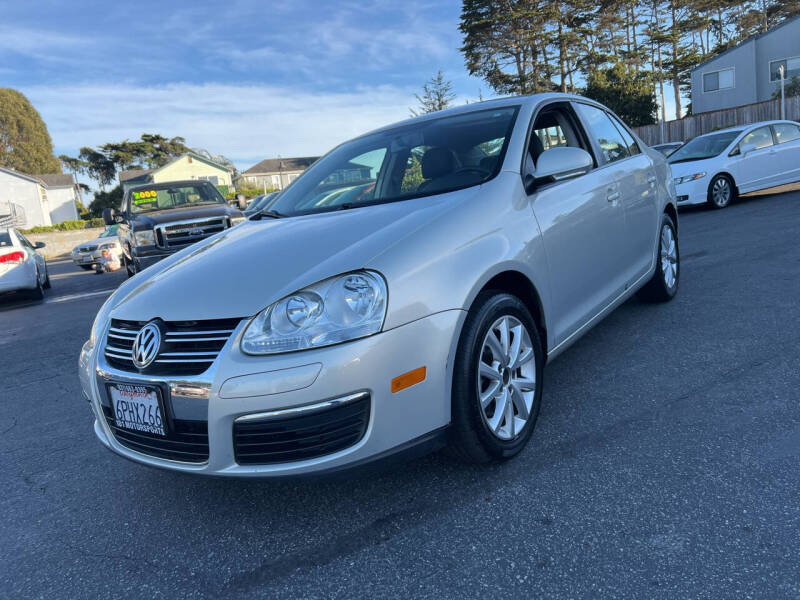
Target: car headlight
339 309
145 237
237 220
686 178
108 246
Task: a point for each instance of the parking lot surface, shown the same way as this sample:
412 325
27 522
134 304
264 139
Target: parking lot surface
665 464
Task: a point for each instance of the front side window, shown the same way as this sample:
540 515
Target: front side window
760 138
633 147
612 145
786 132
705 146
166 196
791 68
423 158
718 80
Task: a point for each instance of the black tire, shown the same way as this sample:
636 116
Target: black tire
721 200
658 289
471 439
46 278
129 268
37 293
87 267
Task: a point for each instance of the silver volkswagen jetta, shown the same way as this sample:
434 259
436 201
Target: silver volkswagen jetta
405 292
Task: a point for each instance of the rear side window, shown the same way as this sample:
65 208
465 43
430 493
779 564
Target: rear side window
786 132
5 239
604 132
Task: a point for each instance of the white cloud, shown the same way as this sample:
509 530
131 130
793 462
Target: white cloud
245 123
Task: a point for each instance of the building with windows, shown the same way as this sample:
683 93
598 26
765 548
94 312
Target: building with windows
37 200
275 173
750 71
185 166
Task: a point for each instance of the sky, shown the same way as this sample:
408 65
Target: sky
246 79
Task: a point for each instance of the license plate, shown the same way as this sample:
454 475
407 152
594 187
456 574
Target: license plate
86 259
136 407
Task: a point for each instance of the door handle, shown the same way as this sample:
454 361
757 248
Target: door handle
651 180
613 197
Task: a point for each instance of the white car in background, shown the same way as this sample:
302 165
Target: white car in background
22 268
714 168
88 254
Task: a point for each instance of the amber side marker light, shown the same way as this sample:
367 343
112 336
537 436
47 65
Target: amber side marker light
406 380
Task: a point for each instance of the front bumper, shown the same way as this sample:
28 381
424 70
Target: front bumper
237 385
692 192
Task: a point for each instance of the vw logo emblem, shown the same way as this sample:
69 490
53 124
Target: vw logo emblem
146 345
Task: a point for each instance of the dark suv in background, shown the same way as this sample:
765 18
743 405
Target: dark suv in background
158 219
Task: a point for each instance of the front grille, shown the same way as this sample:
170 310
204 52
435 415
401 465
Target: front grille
301 437
186 441
188 347
87 248
188 232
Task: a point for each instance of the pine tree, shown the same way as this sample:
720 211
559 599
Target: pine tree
25 143
437 95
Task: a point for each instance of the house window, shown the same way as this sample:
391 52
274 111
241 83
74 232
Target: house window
791 68
718 80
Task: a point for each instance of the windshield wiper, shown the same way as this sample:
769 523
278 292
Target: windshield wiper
272 214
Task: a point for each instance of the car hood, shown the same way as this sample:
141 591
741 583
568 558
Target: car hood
244 269
98 241
157 217
693 166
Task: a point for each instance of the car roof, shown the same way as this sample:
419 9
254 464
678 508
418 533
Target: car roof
749 126
151 185
483 105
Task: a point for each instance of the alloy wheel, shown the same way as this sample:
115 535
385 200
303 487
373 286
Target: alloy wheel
669 256
721 192
506 377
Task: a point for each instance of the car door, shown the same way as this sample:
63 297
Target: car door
582 225
755 170
32 254
787 152
639 199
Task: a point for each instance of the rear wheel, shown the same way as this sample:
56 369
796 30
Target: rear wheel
46 278
721 191
38 292
497 380
663 286
129 268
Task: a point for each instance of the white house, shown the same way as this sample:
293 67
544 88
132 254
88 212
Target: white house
38 200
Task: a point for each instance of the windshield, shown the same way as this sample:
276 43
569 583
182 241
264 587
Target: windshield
165 196
705 146
421 159
5 239
261 201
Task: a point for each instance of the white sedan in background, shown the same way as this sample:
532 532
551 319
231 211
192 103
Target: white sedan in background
714 168
22 268
88 254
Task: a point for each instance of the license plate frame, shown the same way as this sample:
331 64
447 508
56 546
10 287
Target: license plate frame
144 426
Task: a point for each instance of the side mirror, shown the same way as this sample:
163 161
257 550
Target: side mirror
39 245
745 148
560 163
109 215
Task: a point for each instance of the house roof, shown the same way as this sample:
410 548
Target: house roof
745 41
137 173
31 178
133 174
276 165
57 179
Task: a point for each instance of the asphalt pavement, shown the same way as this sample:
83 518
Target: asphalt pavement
665 464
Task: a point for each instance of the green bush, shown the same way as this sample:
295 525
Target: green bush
66 226
248 191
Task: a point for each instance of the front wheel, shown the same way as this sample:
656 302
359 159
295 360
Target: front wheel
497 380
721 191
663 286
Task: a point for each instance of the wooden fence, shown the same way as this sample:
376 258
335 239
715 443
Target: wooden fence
685 129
